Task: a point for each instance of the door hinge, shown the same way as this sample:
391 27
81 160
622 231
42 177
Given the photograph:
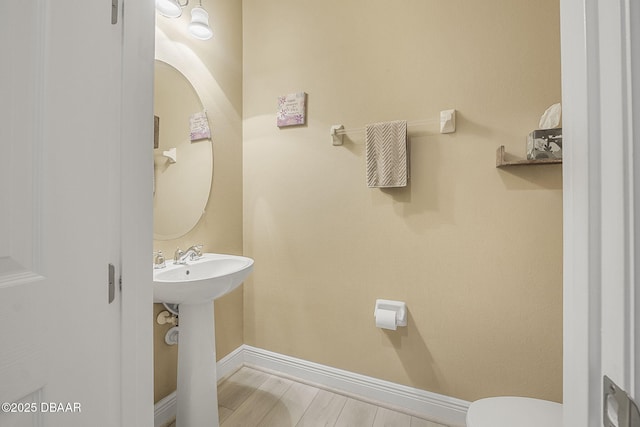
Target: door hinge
619 409
112 283
114 11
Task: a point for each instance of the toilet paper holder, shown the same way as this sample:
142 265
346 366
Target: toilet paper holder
398 306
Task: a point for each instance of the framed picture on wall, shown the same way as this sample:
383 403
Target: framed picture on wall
199 126
292 109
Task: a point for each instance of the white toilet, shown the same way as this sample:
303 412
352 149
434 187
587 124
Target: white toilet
514 412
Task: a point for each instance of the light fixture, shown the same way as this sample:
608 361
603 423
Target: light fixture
170 8
199 26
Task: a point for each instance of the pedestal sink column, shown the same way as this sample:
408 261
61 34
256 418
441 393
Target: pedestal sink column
197 393
194 286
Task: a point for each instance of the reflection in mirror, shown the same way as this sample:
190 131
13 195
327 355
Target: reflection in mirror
182 168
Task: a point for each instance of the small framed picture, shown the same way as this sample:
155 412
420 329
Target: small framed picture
199 126
292 109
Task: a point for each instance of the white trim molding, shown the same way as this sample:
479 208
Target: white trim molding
420 403
230 363
600 96
164 411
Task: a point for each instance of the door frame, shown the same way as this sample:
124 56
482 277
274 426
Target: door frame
598 94
581 23
137 213
580 314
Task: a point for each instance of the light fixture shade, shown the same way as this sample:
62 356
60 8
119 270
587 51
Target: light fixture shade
169 8
199 26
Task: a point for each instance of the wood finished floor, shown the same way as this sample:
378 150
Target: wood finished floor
252 398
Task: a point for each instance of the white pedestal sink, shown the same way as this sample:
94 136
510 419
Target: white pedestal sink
194 286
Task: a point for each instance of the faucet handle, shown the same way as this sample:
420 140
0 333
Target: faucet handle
158 260
198 249
177 255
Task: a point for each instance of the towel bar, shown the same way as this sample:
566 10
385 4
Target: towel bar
447 121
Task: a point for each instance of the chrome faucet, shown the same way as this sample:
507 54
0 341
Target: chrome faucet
158 260
191 254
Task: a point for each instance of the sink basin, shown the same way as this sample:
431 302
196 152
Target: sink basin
193 286
205 279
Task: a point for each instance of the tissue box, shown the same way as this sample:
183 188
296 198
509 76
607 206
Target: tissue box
544 144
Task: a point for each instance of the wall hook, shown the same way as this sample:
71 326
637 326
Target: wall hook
171 154
337 138
447 121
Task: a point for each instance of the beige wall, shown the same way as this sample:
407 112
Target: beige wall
218 66
474 251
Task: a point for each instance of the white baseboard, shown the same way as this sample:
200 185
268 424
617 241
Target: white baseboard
230 363
435 407
420 403
164 411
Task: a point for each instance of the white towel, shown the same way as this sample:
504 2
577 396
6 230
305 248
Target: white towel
386 145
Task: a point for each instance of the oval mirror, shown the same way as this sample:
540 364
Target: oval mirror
182 167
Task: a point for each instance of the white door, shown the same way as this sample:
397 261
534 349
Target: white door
601 125
64 349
